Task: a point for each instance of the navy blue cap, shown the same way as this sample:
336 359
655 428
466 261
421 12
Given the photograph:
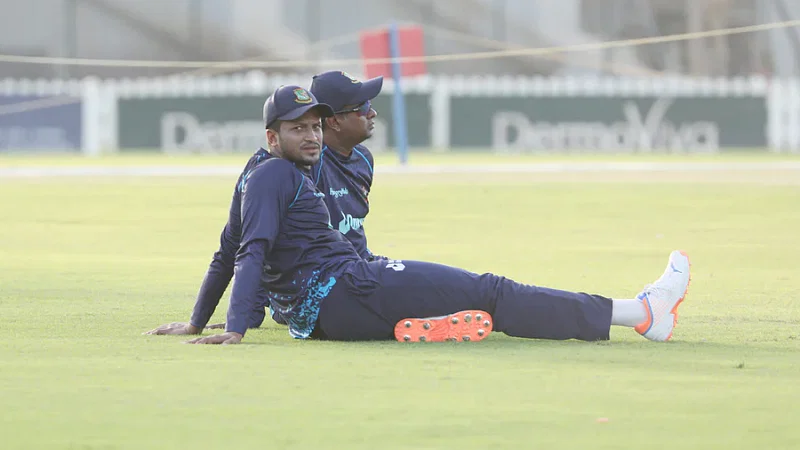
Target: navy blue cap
291 102
339 89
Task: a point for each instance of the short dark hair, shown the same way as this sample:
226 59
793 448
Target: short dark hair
275 126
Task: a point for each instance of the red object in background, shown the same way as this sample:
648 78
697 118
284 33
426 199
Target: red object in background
376 44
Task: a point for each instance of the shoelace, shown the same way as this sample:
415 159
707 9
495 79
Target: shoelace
652 289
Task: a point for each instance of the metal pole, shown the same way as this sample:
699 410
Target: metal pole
70 36
196 22
498 20
314 29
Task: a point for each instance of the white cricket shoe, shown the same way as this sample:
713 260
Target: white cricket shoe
662 298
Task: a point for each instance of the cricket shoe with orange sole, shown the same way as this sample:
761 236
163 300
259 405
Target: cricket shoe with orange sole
662 298
463 326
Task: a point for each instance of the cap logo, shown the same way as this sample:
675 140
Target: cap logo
352 78
302 96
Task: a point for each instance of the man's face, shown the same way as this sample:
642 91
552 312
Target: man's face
299 140
358 122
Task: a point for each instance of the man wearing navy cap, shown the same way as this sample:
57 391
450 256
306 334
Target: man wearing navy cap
346 167
220 271
344 173
316 280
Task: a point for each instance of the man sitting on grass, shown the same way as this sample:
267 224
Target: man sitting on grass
320 285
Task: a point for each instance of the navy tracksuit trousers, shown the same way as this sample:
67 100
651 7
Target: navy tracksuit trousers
371 297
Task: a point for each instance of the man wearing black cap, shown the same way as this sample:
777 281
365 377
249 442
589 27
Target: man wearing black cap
345 168
344 173
317 281
220 271
271 230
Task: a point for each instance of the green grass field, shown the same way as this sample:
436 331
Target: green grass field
88 264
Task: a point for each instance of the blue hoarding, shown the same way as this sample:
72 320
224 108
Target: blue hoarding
35 123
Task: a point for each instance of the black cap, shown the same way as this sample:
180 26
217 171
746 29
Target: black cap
339 89
291 102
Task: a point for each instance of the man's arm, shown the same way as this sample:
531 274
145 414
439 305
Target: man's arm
367 254
265 200
216 280
217 277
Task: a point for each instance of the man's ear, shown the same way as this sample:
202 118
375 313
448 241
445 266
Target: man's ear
272 138
333 123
